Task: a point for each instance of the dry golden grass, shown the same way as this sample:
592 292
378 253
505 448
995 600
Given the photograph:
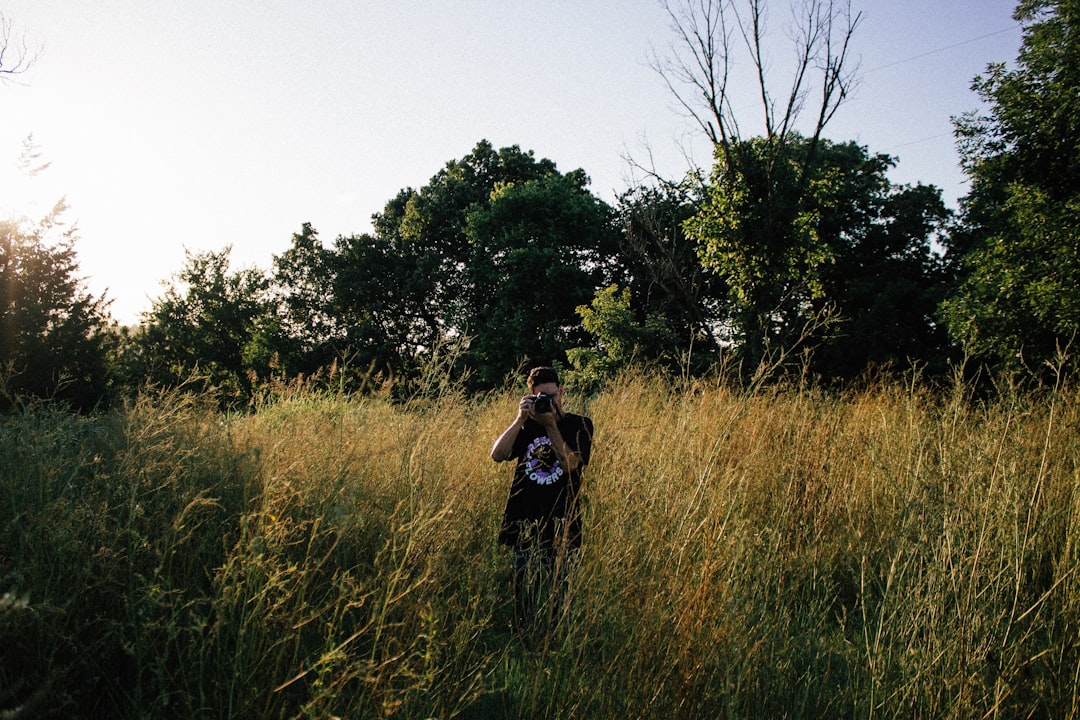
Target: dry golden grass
782 553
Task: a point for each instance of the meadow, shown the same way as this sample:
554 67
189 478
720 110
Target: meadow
888 552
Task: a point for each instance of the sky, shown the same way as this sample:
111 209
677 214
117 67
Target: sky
196 125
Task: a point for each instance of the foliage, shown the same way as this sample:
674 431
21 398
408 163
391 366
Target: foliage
485 264
619 340
1018 249
209 324
55 335
886 553
658 262
758 229
433 221
382 303
886 282
539 251
303 280
496 251
798 227
1019 302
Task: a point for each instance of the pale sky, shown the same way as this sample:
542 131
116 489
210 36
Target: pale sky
206 123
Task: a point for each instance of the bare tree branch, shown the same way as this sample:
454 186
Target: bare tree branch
839 82
648 170
16 56
753 31
804 35
698 69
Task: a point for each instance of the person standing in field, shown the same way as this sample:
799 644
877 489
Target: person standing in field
541 521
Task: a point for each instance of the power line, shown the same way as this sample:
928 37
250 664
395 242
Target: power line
920 140
941 49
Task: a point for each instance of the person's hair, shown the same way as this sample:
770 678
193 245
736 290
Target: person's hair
541 375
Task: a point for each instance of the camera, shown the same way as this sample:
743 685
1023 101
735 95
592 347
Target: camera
542 403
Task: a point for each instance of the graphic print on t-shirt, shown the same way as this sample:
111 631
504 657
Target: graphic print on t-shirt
541 463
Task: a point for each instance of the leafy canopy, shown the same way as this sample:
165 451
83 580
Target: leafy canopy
54 335
1017 253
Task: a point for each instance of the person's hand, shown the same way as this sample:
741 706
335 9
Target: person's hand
547 419
525 408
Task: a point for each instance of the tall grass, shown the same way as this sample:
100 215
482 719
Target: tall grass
782 553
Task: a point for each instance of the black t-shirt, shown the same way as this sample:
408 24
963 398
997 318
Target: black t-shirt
542 489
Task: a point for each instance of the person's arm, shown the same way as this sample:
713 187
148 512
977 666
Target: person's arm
568 457
503 448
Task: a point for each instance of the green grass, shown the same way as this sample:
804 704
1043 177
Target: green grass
790 553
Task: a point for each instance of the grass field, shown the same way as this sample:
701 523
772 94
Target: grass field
773 554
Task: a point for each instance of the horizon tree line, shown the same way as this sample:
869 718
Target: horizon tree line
793 251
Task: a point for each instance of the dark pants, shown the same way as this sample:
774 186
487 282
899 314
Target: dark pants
543 561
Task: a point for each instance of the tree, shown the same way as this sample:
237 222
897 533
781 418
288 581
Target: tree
497 250
666 280
886 281
54 335
309 329
619 338
540 249
1017 250
205 326
757 227
432 226
699 71
386 302
383 291
807 242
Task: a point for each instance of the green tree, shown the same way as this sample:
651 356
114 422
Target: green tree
499 248
1017 250
432 221
361 305
540 248
667 283
886 281
383 289
305 334
383 303
813 241
54 335
757 228
207 324
619 338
